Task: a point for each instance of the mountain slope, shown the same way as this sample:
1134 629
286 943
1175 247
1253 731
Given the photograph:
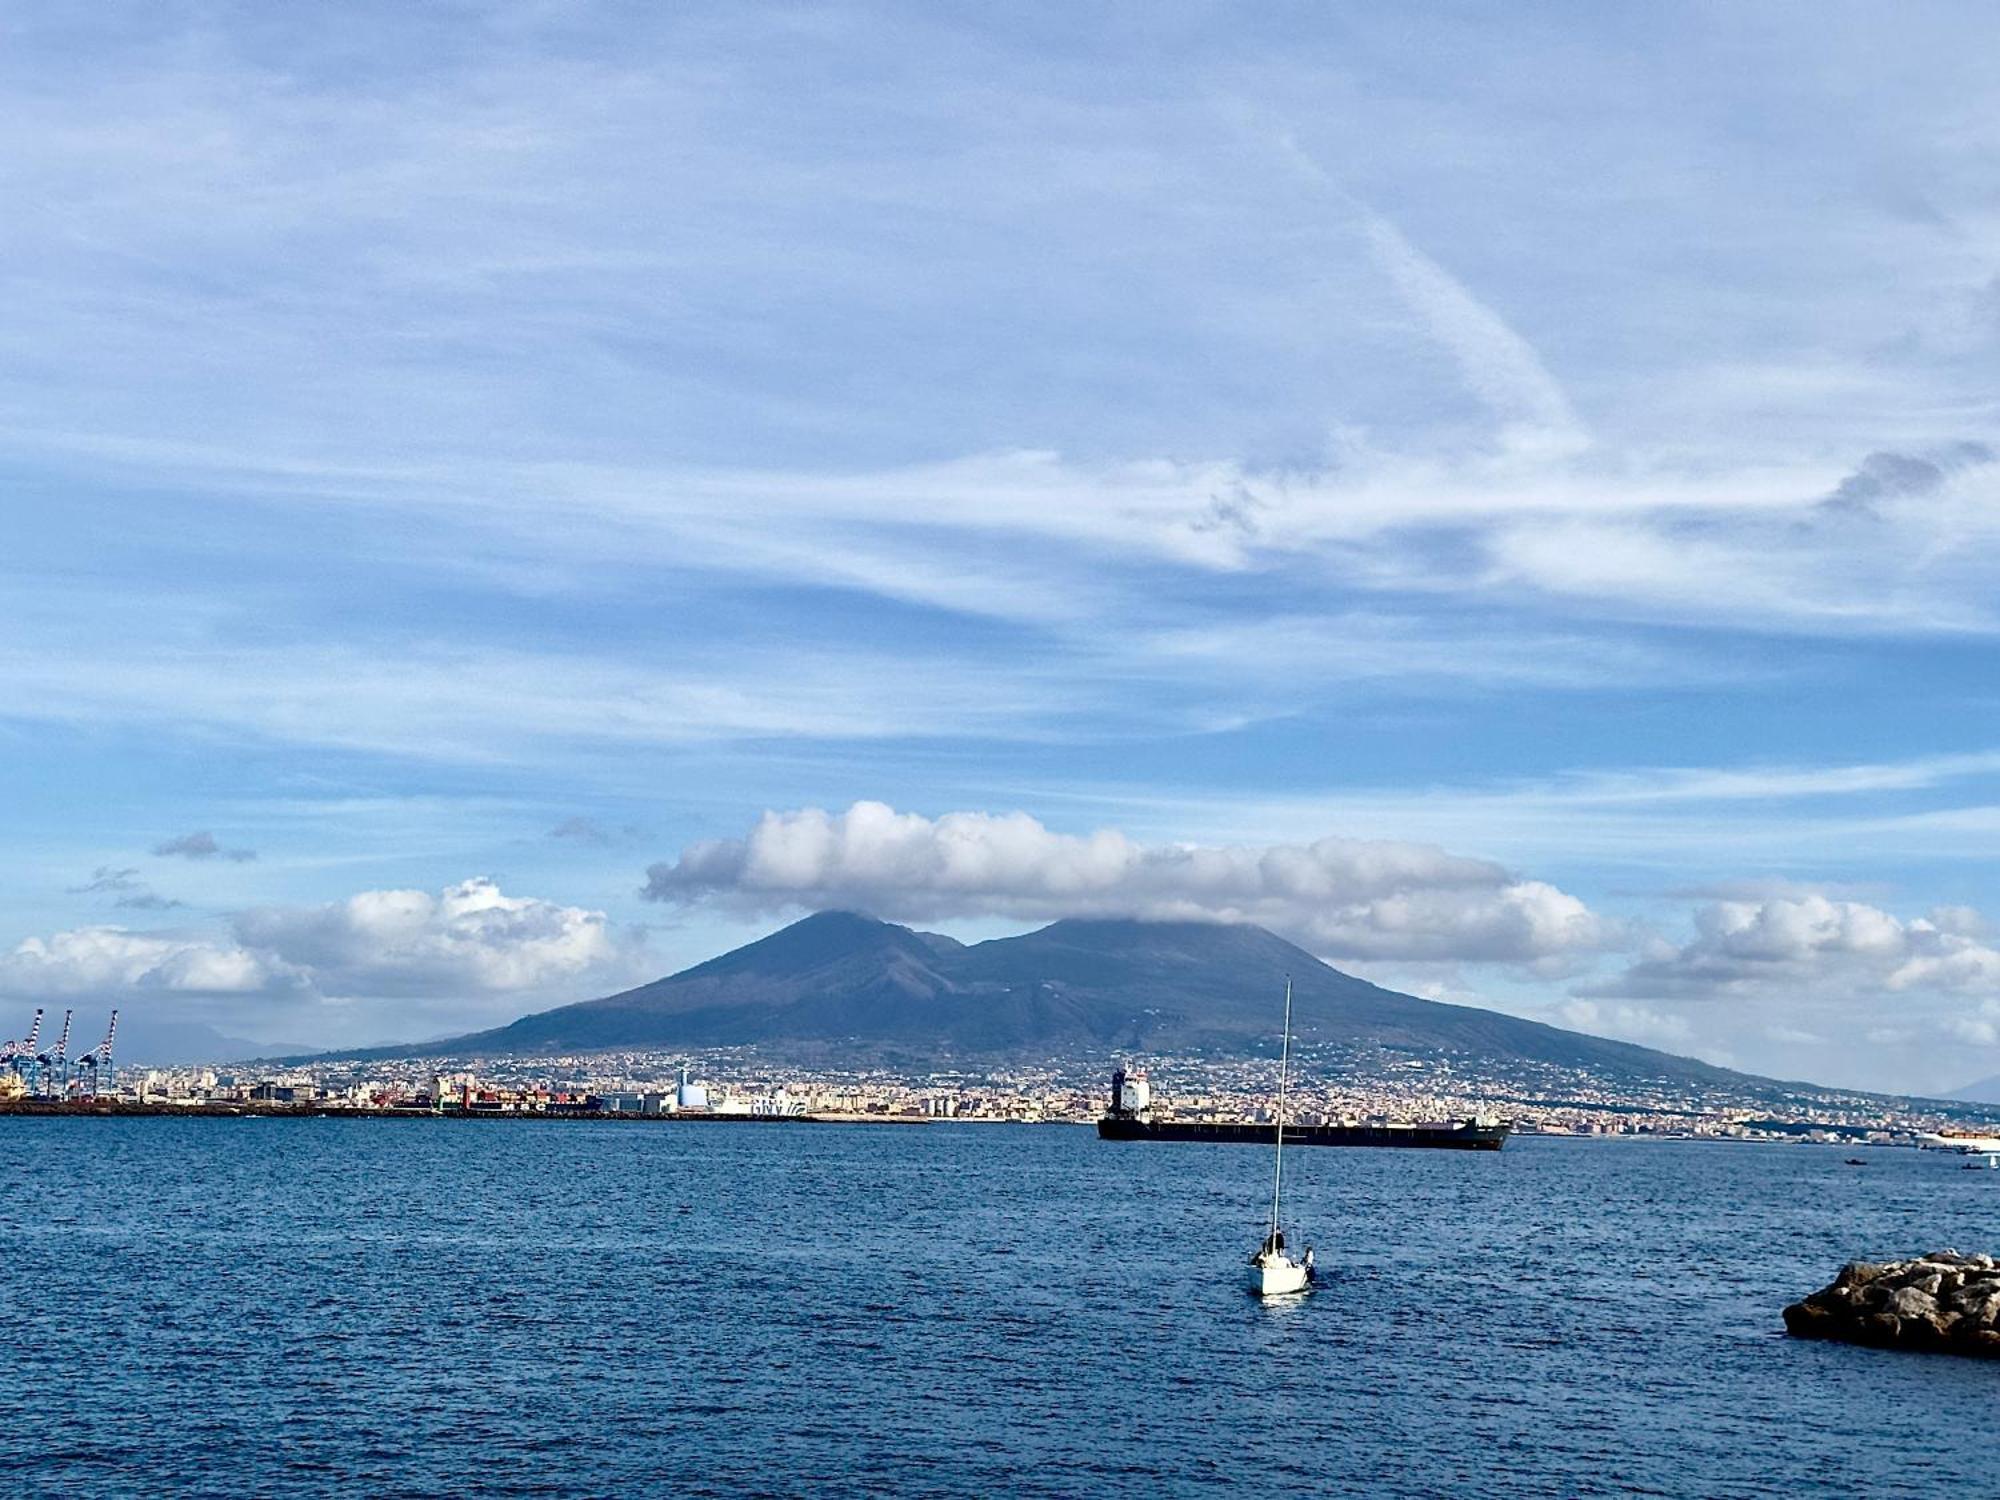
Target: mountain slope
1986 1091
838 978
834 974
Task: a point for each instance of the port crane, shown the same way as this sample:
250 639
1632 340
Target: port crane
98 1059
15 1054
51 1063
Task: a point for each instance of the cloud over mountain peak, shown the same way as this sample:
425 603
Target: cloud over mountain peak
1354 898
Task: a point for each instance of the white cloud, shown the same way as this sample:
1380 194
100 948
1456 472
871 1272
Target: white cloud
91 960
1500 366
1977 1031
1805 984
469 938
1630 1022
1793 1036
371 964
1813 948
1347 898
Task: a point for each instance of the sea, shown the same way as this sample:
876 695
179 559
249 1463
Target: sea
372 1307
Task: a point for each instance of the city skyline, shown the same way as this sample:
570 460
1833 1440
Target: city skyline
509 503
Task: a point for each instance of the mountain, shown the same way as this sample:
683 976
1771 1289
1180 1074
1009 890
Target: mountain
1986 1091
162 1042
838 980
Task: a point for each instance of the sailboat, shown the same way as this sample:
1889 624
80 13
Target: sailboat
1273 1272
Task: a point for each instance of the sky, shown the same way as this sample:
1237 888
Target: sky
503 501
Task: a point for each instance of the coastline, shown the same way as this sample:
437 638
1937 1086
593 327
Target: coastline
129 1109
48 1111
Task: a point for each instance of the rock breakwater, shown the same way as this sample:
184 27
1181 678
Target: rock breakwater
1945 1302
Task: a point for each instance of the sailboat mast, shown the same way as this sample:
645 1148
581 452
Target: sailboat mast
1284 1064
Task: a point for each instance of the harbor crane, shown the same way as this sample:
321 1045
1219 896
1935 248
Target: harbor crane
15 1054
49 1065
102 1074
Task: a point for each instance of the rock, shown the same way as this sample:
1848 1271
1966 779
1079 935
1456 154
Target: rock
1942 1301
1973 1340
1807 1321
1858 1273
1880 1328
1911 1302
1971 1299
1928 1333
1869 1298
1982 1311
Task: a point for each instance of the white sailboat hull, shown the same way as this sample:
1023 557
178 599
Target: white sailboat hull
1278 1275
1272 1272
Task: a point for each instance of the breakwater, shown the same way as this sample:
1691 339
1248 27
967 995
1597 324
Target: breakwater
126 1108
1943 1301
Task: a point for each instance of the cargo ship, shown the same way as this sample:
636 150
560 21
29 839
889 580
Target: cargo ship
1132 1118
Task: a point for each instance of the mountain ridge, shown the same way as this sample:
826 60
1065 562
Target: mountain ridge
840 980
1986 1091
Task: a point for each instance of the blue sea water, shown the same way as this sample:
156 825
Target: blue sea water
329 1307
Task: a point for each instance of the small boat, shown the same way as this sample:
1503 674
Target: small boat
1855 1161
1274 1272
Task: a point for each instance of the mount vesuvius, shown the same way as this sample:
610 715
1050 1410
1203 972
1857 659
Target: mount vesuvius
840 982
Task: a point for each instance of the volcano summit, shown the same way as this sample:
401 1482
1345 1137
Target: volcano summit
846 983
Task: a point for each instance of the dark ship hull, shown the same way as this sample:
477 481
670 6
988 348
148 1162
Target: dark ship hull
1456 1135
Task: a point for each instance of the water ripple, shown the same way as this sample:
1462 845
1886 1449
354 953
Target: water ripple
321 1307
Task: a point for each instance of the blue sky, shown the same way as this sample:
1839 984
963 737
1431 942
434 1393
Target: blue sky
1506 498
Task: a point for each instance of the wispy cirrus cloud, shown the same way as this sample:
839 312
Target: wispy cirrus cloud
479 704
1499 365
1588 545
1652 528
1724 821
